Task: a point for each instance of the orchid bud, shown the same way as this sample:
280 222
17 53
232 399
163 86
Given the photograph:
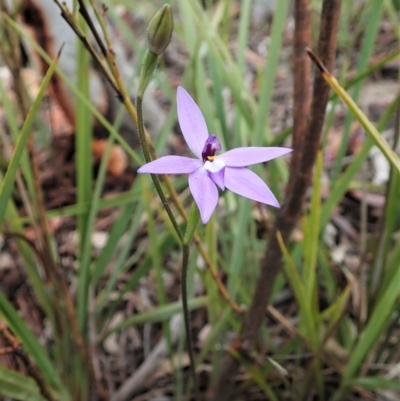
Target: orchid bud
159 31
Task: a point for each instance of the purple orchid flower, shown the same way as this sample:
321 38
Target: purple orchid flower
226 170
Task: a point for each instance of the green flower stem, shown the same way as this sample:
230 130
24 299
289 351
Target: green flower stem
185 241
146 154
185 262
194 215
194 218
148 67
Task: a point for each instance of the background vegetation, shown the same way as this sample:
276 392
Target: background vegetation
90 263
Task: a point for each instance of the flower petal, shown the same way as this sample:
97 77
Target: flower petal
171 165
214 166
242 157
218 178
192 122
245 183
204 192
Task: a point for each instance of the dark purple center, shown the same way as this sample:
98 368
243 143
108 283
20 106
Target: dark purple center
210 147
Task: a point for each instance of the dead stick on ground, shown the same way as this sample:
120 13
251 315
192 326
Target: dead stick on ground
300 177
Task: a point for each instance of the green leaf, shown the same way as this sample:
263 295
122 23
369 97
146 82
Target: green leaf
160 314
375 327
269 73
311 241
371 13
19 387
84 180
30 343
376 383
364 121
301 294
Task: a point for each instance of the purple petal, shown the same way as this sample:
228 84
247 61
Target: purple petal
171 165
241 157
204 192
218 178
245 183
192 122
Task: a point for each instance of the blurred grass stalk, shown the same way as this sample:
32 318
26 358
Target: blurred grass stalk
8 313
371 12
379 141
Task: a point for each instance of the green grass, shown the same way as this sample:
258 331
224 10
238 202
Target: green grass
142 249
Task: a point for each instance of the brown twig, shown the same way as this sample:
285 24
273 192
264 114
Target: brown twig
302 80
70 20
299 181
85 14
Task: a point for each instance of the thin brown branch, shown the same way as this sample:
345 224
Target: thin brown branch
317 61
70 20
86 16
302 79
300 177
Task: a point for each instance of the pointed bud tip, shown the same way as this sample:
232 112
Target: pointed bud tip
160 29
